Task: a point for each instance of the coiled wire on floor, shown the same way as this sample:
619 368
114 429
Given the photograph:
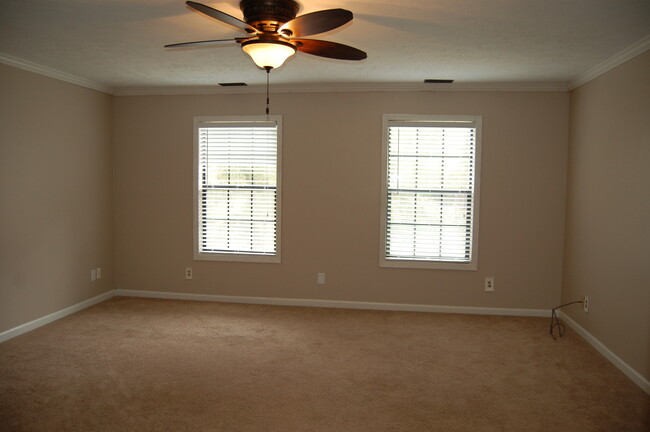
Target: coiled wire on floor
555 322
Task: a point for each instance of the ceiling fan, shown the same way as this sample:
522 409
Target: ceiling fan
274 33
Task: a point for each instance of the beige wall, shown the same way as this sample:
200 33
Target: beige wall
56 200
331 198
55 195
607 252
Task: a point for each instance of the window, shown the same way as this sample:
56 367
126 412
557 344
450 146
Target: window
431 167
237 192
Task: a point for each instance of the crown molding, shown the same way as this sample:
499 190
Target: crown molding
616 60
632 51
53 73
342 87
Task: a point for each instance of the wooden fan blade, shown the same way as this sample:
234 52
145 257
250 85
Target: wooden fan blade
206 42
327 49
221 16
316 22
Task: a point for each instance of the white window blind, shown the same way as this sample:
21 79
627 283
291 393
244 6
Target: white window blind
430 191
238 187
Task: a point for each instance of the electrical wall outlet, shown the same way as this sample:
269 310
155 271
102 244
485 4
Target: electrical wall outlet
585 304
489 284
320 278
188 272
95 274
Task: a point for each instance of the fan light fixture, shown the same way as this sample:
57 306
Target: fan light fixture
268 54
274 33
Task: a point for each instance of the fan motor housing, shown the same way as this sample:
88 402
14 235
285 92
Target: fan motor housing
268 15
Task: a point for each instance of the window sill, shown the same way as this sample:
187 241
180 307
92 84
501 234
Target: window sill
431 265
247 258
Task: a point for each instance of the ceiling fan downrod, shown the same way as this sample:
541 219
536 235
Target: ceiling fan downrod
268 15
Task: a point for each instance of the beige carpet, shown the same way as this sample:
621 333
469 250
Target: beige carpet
158 365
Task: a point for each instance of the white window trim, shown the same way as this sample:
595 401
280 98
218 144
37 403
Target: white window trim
440 265
234 257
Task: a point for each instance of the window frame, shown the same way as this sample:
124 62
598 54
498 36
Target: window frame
200 121
384 261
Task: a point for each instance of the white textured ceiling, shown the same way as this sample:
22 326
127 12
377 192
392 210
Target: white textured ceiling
119 43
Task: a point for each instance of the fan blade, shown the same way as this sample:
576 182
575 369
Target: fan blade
221 16
206 42
316 22
329 49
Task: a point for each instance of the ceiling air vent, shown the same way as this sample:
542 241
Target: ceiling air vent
234 84
438 81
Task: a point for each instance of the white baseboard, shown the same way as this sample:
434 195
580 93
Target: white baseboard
336 304
24 328
609 355
636 377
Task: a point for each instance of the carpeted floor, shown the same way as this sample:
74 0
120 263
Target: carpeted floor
132 364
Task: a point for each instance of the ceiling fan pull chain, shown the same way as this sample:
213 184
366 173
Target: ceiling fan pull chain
268 72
